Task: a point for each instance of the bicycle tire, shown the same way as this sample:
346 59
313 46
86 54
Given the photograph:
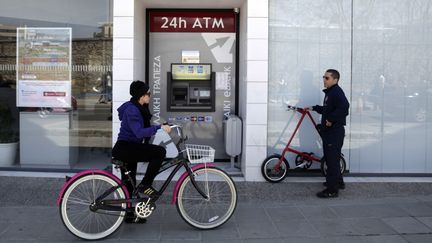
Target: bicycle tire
268 166
209 213
342 163
75 207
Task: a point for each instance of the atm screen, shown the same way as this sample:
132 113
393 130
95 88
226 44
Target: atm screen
189 71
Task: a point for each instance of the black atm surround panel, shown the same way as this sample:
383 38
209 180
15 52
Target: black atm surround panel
191 95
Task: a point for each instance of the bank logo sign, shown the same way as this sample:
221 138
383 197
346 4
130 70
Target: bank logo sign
221 45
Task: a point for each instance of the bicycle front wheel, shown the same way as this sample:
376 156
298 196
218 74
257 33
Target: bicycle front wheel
212 212
75 207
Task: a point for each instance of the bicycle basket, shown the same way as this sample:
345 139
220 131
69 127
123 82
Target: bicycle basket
200 153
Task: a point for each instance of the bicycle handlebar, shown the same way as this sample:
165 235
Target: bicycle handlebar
179 129
295 108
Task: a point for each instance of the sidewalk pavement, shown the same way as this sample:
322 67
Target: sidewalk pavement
285 212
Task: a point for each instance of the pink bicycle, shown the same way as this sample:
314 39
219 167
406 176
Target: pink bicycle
93 203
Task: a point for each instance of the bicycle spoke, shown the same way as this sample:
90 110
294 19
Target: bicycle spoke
79 201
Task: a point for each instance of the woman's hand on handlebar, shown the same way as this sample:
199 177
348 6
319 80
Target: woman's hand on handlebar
166 128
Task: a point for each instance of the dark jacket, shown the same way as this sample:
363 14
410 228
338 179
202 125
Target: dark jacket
132 124
335 108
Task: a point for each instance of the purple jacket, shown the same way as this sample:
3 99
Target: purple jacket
132 125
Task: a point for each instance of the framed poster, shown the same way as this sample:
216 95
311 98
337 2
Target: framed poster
44 67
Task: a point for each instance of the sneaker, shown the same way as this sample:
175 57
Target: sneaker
327 194
130 218
341 185
148 191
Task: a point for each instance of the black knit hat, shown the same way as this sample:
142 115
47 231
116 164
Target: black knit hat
138 88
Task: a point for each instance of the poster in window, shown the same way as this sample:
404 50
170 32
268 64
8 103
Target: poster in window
43 67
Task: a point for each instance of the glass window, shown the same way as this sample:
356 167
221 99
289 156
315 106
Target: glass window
383 51
305 39
392 88
75 137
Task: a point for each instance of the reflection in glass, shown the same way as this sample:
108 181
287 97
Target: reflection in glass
389 54
89 129
305 39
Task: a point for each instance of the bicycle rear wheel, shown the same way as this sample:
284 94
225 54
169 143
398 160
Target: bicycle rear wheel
212 212
342 166
75 207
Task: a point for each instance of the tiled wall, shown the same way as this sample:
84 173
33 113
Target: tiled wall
256 86
123 56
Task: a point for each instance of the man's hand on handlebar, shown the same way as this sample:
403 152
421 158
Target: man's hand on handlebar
309 108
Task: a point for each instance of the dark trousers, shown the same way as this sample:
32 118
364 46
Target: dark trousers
132 153
332 145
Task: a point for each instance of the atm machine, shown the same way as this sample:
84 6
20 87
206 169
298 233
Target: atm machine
192 71
191 87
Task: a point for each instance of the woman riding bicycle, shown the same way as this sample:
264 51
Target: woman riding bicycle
132 144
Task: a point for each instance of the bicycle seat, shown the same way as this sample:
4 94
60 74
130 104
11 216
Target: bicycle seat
117 162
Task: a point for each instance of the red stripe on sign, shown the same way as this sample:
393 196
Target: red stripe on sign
183 21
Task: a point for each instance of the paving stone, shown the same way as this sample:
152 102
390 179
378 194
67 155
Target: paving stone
419 238
243 214
221 241
137 241
147 231
416 208
179 232
180 241
254 230
278 214
369 211
407 225
264 240
386 239
304 240
332 227
426 220
298 227
370 226
317 212
346 239
225 232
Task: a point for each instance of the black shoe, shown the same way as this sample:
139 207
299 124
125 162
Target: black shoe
130 218
341 185
148 191
327 194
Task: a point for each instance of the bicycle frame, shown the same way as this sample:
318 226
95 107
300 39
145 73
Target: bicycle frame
287 149
178 163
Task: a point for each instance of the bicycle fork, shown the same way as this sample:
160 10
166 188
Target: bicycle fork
194 183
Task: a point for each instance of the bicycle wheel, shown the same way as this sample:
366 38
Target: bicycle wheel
270 171
342 166
75 207
212 212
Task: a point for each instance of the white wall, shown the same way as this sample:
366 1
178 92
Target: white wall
253 99
123 55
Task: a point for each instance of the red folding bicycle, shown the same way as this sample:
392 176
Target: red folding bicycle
275 167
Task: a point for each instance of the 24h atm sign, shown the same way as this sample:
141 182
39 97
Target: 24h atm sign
192 21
